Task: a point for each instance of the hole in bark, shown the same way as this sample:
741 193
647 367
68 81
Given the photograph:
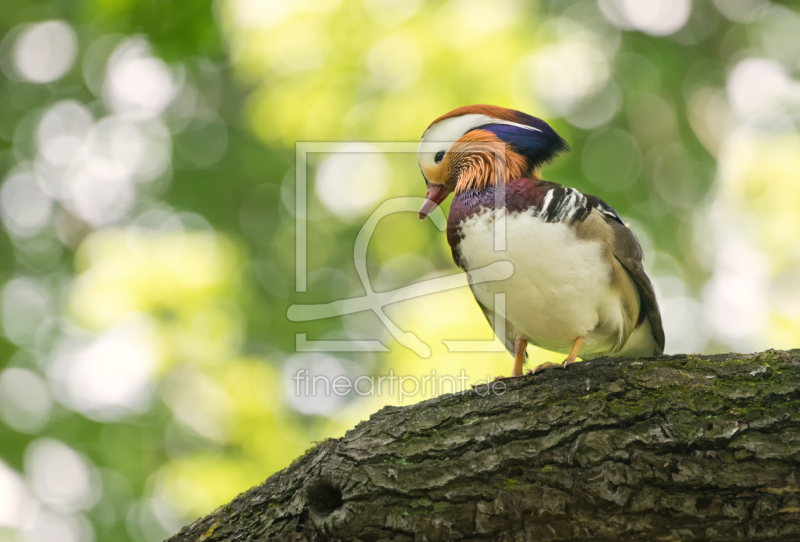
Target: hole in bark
710 426
704 503
323 499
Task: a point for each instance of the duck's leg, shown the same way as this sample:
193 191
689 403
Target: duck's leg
576 346
519 356
573 353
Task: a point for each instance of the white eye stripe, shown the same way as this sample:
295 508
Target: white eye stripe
452 129
509 123
491 121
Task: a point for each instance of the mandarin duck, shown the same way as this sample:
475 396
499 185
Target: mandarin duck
578 285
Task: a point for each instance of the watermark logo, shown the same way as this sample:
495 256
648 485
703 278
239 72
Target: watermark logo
403 387
376 301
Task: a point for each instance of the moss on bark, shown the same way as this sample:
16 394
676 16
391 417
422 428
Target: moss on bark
671 448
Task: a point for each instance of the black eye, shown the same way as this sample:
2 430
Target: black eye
439 157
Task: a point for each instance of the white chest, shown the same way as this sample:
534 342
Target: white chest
561 286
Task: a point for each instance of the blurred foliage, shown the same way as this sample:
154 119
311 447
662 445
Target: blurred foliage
147 152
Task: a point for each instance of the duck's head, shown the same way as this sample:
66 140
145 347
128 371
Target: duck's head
478 145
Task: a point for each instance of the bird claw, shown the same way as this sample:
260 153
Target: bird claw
530 372
548 365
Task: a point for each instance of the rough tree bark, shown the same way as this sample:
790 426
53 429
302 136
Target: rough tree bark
672 448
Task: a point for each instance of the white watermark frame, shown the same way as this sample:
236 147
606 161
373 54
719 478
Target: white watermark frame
375 301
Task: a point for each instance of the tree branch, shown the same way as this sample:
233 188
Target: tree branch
672 448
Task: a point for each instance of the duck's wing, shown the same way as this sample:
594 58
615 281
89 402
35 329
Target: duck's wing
628 252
